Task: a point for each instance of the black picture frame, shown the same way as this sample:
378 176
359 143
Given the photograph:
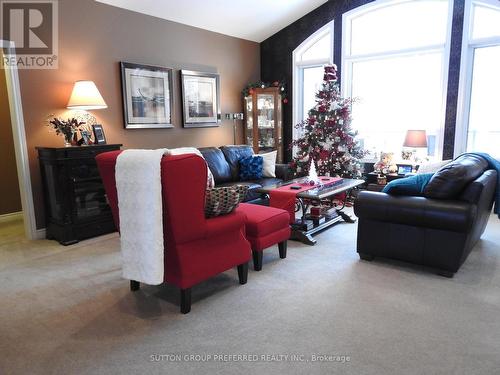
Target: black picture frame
147 93
99 137
198 113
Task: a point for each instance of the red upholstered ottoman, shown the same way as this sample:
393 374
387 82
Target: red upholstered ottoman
265 227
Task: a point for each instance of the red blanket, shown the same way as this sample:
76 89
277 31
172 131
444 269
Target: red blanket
284 196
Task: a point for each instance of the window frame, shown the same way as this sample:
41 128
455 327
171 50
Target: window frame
469 46
348 59
299 66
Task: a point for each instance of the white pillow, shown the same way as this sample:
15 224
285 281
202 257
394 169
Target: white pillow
432 167
269 165
192 150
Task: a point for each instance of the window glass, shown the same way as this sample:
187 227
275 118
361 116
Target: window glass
312 80
319 50
484 114
408 97
486 22
400 26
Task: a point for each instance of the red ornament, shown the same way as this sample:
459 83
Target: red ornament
276 83
250 91
285 101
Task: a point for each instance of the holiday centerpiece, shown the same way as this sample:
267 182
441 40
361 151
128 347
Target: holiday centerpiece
248 90
328 143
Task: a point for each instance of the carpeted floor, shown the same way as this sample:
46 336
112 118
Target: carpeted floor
65 310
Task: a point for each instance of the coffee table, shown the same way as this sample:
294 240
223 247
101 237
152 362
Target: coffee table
305 227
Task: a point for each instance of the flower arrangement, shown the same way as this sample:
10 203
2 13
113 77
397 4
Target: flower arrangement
67 128
248 90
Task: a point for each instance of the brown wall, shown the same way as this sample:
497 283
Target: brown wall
93 38
10 200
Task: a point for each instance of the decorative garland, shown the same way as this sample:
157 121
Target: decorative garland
248 90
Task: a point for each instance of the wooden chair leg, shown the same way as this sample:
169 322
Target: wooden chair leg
243 273
257 260
282 249
185 300
135 285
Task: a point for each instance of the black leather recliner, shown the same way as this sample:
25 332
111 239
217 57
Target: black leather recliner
438 233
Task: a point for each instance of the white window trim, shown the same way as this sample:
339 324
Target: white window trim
466 69
348 60
298 69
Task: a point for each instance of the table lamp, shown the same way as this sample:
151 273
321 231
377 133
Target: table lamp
85 95
415 139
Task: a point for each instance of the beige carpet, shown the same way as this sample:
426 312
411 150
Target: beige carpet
65 310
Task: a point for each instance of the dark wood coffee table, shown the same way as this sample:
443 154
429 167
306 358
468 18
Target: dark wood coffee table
305 227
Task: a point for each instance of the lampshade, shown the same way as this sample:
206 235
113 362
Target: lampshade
85 95
415 138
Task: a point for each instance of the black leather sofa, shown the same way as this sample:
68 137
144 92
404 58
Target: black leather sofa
438 229
224 164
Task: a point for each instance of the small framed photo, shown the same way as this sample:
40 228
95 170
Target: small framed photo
404 169
86 139
99 137
147 96
200 99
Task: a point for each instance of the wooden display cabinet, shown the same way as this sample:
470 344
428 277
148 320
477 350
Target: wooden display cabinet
263 121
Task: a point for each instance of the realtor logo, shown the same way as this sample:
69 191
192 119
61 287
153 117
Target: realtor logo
32 26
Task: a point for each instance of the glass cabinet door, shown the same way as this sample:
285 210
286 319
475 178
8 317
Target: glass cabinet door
249 121
266 122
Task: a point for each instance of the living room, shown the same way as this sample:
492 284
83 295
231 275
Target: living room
322 194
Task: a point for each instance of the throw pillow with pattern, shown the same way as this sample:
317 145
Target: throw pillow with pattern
251 168
223 200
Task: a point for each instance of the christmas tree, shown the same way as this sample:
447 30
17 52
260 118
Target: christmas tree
328 139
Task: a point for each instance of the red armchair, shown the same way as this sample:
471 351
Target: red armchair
196 248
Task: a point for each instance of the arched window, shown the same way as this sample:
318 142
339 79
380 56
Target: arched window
308 61
478 118
396 64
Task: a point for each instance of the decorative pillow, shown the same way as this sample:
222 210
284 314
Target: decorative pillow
432 167
193 150
411 186
251 168
269 166
451 180
223 200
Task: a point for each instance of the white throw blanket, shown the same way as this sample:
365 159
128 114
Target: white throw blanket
138 184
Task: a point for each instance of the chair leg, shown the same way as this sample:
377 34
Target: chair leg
135 285
185 300
243 273
282 249
257 260
365 256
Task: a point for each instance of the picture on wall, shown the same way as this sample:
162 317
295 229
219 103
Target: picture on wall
147 96
200 99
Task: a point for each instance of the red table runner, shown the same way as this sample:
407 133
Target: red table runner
284 197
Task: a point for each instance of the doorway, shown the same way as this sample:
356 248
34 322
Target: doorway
15 197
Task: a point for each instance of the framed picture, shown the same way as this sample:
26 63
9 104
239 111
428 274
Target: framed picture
99 137
200 99
147 96
404 169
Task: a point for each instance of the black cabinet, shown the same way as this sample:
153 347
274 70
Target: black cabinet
75 200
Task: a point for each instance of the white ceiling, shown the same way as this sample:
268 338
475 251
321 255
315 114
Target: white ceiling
253 20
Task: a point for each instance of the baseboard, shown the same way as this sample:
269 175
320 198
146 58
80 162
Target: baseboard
11 217
40 234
